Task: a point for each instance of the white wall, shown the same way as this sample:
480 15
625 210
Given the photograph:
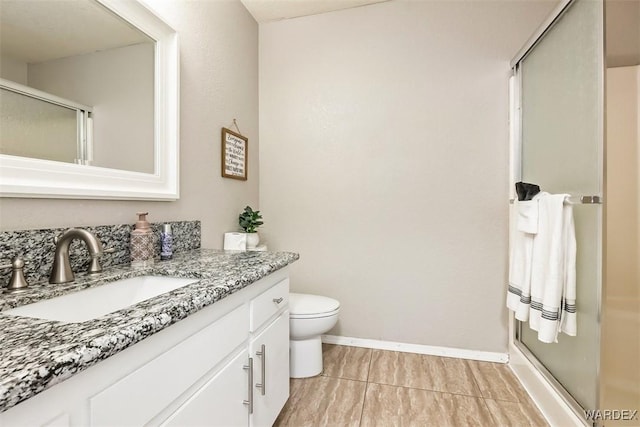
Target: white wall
623 32
623 182
118 84
219 81
384 162
13 69
620 382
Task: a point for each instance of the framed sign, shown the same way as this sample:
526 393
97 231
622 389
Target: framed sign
234 155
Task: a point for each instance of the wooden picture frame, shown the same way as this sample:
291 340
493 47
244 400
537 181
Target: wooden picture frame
234 155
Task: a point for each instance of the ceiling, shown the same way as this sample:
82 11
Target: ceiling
274 10
623 18
37 31
41 30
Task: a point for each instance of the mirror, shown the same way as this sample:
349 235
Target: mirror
88 101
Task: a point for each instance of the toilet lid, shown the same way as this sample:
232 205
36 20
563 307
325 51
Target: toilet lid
301 304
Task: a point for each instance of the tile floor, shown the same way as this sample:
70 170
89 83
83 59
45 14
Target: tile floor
365 387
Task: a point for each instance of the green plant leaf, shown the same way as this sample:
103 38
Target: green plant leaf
249 220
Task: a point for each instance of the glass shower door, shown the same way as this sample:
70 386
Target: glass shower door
561 122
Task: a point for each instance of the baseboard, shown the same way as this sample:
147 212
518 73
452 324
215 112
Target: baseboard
484 356
551 404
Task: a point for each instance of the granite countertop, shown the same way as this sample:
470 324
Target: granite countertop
37 354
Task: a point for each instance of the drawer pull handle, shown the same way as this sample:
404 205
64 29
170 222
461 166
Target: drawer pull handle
263 367
278 300
249 402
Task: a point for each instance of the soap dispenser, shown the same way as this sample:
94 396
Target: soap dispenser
142 237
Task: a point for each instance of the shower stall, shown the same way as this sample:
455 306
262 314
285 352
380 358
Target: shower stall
575 129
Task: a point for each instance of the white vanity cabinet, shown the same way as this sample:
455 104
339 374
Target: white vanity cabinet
194 373
254 386
269 348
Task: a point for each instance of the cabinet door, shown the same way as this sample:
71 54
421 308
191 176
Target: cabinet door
220 401
34 415
271 369
169 375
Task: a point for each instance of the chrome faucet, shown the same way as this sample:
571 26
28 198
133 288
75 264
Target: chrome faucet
61 271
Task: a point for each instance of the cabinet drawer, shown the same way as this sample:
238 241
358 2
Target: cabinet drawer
140 396
269 303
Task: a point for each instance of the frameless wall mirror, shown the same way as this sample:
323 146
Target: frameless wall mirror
88 101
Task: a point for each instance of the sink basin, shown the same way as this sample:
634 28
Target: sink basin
94 302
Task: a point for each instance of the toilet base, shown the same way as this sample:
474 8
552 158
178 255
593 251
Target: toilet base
305 359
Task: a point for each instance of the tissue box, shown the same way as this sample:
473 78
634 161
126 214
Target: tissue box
235 241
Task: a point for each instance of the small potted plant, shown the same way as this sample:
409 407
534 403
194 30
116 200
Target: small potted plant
249 221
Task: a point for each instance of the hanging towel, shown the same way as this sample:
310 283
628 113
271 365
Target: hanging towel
543 265
527 216
568 321
520 255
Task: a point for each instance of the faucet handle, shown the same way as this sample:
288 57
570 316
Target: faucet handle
17 282
94 266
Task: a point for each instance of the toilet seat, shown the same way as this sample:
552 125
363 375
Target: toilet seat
305 306
314 316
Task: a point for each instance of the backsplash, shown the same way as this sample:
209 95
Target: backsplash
37 247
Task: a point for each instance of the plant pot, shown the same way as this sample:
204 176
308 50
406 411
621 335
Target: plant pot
252 240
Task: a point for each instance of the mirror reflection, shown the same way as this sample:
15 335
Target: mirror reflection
77 85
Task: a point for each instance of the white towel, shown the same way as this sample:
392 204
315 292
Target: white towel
527 219
520 253
568 321
542 270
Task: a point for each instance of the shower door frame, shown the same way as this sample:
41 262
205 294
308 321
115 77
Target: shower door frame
515 326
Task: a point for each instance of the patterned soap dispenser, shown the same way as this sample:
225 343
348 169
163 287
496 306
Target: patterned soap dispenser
142 237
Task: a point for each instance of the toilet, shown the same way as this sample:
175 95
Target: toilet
310 316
